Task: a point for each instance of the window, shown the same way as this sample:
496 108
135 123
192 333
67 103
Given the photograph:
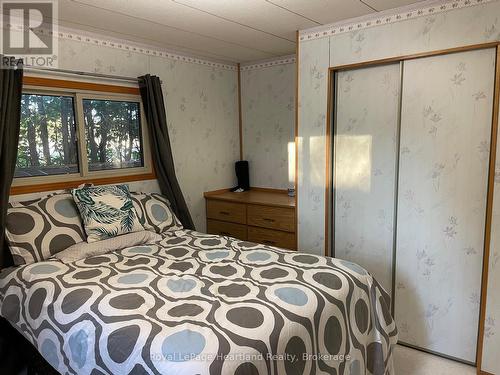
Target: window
47 139
72 134
112 134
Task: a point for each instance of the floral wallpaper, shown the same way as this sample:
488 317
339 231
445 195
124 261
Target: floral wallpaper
454 28
313 87
365 159
268 115
202 114
444 30
460 27
446 114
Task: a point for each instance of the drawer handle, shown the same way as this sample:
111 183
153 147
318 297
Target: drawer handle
223 212
269 220
268 242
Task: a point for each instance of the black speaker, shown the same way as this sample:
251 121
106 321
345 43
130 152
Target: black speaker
241 168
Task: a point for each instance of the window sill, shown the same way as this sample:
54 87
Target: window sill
52 186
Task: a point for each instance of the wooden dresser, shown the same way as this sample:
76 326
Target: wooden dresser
261 216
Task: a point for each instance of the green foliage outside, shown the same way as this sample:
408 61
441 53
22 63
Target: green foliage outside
48 137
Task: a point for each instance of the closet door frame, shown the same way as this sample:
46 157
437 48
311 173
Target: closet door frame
329 173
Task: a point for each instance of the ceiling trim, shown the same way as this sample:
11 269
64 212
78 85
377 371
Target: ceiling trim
125 45
282 60
387 17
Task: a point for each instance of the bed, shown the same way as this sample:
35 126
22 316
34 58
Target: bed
192 303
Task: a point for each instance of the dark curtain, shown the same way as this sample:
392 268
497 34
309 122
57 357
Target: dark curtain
154 107
11 84
15 351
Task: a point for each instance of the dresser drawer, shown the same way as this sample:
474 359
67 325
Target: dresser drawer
271 237
227 211
272 217
224 228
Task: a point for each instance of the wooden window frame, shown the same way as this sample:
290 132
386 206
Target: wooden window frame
80 90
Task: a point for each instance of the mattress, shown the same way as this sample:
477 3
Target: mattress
192 303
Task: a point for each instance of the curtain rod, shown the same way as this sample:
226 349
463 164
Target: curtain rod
80 73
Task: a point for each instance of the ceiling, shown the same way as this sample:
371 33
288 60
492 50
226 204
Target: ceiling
227 30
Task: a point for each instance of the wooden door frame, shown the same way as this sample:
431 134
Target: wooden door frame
329 175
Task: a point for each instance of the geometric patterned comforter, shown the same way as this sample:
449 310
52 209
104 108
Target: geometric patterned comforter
202 304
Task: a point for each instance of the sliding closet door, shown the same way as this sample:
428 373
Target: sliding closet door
445 139
365 150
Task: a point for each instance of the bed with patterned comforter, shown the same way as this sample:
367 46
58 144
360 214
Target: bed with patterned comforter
193 303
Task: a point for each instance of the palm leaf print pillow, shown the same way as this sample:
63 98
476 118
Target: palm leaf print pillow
106 211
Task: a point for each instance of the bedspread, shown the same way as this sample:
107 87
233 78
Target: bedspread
193 303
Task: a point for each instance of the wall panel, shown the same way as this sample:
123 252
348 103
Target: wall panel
313 88
445 137
202 114
460 27
456 28
477 24
365 149
268 113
